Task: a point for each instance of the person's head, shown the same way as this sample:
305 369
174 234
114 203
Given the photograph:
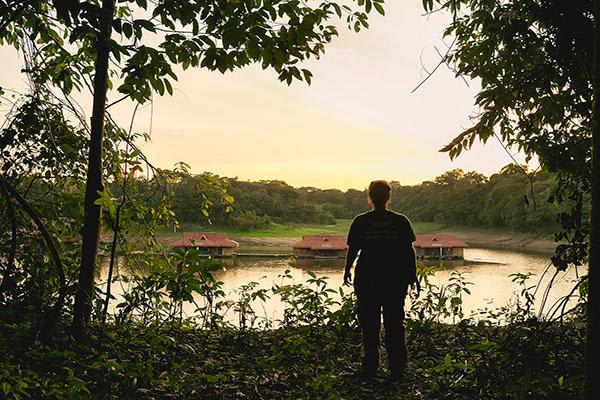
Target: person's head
379 193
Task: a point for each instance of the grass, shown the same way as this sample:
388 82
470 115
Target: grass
262 249
292 230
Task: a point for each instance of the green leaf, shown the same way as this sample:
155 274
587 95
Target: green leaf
127 29
207 40
337 9
307 76
169 87
448 360
146 24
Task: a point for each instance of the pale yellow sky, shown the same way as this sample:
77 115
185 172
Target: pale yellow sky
357 122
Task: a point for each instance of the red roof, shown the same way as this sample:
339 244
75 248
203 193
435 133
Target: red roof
204 239
315 242
428 241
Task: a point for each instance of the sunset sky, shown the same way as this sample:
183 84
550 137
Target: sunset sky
358 121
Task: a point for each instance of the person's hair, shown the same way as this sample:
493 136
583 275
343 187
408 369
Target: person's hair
379 193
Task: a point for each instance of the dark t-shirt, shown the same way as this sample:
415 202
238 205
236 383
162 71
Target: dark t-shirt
385 239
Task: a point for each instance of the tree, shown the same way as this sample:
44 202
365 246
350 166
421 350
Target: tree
216 34
540 92
450 178
592 387
43 153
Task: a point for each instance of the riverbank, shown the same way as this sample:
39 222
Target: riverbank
473 237
280 237
490 238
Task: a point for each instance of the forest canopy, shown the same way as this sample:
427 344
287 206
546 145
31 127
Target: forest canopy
509 199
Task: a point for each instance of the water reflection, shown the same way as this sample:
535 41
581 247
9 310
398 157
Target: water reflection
487 269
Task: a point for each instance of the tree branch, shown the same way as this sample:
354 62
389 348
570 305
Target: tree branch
442 61
10 210
529 176
40 225
13 17
52 316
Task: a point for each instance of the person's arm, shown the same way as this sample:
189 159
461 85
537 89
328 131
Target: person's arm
350 257
411 262
412 259
412 268
354 244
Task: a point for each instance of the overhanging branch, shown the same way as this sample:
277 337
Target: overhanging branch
10 210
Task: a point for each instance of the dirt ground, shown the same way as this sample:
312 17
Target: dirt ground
483 238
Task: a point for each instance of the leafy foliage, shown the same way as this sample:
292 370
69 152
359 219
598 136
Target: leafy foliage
149 348
40 140
439 302
176 358
533 59
216 35
509 199
72 45
158 298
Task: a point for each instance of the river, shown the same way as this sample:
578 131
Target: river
487 269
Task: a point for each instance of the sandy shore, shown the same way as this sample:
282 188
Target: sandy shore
513 240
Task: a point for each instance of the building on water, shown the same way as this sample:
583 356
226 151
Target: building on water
439 246
213 244
317 246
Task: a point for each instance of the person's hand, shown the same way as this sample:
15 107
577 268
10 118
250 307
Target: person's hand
347 278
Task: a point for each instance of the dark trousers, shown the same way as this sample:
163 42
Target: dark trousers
372 299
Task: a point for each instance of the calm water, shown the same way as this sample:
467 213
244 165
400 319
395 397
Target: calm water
487 269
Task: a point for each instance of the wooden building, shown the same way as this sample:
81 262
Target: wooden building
439 246
208 243
315 246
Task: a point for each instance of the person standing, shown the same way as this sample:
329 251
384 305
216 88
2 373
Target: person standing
385 269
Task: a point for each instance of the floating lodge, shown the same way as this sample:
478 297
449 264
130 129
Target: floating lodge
439 247
314 246
426 247
212 244
215 244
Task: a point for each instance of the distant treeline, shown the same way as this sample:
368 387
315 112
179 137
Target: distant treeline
511 199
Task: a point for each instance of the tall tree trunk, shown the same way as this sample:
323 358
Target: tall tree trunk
592 383
93 212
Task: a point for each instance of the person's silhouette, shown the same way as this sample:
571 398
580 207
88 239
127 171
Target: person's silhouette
386 267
